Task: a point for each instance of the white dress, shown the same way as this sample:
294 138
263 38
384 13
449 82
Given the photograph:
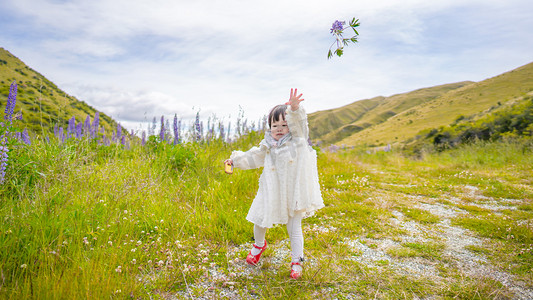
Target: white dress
289 182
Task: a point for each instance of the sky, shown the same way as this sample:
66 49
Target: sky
139 59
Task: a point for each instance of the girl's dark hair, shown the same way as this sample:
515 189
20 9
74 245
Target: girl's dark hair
276 113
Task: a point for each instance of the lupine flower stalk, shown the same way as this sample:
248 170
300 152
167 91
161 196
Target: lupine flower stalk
11 101
71 129
87 127
151 129
4 150
94 127
61 135
79 131
118 134
221 130
162 131
229 131
197 127
25 137
3 157
167 131
244 126
176 130
212 130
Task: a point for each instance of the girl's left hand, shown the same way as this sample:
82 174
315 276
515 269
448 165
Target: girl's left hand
294 101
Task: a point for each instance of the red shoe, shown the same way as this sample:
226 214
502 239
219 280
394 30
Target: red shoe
295 274
254 259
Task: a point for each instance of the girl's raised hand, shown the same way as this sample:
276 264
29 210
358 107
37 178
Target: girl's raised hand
294 101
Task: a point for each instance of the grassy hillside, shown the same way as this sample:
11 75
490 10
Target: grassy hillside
323 122
400 118
42 103
334 125
511 120
442 111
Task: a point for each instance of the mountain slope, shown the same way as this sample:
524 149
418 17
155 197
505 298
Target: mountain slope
401 117
42 103
355 117
468 100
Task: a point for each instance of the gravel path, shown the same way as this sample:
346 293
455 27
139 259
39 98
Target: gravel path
456 241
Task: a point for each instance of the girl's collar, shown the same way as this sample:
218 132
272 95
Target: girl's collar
270 142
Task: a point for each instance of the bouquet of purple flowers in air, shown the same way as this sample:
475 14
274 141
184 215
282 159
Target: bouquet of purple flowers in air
337 30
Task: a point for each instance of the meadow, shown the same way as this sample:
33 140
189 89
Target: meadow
90 215
162 221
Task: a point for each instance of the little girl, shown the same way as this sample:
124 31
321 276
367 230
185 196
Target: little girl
288 187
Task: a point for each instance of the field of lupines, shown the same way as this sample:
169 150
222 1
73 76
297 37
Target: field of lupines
84 216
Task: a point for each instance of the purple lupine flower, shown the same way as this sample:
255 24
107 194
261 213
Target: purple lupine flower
123 140
94 127
162 131
79 131
337 27
151 128
71 129
3 157
176 130
333 148
212 130
118 135
197 127
26 137
221 130
11 101
179 130
265 122
56 130
167 131
229 130
143 140
61 135
87 127
208 126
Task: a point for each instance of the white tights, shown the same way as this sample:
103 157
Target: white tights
294 228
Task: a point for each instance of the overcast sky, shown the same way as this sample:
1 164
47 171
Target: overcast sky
136 59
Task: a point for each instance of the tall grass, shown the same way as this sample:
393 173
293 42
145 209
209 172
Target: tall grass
72 214
83 220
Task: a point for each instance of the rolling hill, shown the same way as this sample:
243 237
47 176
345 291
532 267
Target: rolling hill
42 103
401 117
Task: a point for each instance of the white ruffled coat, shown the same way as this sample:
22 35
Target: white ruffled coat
289 182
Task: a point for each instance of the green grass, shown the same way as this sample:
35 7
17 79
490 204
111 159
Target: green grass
431 251
420 215
87 221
